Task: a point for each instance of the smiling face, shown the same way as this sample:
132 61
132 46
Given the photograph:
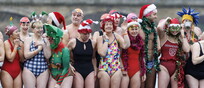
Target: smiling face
77 18
38 28
24 26
108 27
134 30
15 34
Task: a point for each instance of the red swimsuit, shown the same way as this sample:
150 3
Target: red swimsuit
133 62
13 68
168 58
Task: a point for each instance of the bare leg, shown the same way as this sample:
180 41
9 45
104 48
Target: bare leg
201 82
135 80
29 79
104 79
78 81
42 79
174 83
192 82
18 81
151 77
125 82
163 77
67 82
90 80
116 79
51 82
6 80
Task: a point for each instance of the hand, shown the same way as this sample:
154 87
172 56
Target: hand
167 20
57 86
143 77
182 33
124 26
16 42
72 70
40 43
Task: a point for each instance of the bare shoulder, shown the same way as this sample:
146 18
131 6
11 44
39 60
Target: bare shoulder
197 31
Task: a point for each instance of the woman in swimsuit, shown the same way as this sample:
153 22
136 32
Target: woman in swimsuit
133 57
109 49
37 52
24 33
11 72
173 45
83 50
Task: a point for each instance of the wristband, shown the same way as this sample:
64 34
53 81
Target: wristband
106 40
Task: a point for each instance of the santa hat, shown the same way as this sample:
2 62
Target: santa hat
85 26
174 22
146 9
131 22
58 19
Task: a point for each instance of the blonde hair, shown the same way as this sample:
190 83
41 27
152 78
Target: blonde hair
36 23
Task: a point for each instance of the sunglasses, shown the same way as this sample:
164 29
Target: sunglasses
25 22
134 17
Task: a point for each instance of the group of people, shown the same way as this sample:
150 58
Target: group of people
118 56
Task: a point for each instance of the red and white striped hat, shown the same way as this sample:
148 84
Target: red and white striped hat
84 27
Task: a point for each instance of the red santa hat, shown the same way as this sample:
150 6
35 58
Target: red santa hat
58 19
146 9
84 27
174 22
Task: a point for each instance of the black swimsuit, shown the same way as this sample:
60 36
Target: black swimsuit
196 71
83 58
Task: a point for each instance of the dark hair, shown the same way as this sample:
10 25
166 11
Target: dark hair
53 23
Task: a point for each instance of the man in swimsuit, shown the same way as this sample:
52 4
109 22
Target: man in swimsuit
71 32
148 14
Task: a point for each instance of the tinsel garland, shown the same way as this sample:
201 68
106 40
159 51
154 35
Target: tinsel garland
136 44
144 24
180 62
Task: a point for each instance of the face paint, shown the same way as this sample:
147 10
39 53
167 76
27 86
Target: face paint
175 28
55 34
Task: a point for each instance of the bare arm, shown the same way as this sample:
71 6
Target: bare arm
2 51
102 46
95 35
27 53
65 38
10 55
123 41
196 59
47 49
94 57
162 26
